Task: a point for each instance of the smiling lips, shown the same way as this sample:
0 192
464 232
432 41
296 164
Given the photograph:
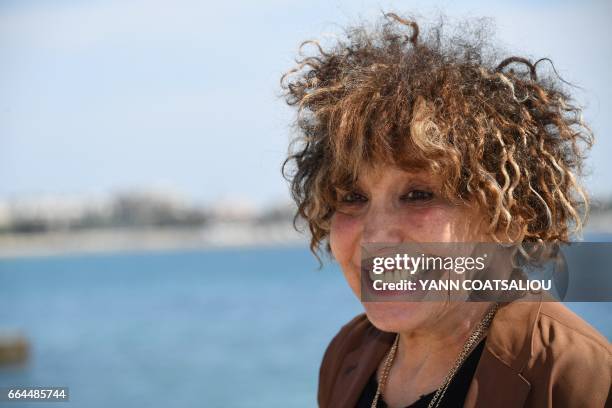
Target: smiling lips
395 276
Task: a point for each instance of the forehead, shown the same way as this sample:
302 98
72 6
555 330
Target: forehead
381 173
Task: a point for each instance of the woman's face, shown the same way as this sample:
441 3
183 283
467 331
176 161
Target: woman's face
392 206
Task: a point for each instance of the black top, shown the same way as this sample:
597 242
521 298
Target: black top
455 394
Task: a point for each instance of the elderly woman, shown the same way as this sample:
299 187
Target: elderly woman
405 137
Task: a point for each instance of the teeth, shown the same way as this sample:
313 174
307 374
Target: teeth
388 277
394 276
373 276
397 275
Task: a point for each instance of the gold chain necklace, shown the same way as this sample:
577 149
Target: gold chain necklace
472 340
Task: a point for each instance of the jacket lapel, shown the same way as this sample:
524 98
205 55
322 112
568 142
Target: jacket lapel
496 385
498 381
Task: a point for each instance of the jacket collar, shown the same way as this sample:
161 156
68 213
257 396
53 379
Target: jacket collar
497 379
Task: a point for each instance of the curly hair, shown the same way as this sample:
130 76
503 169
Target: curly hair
502 135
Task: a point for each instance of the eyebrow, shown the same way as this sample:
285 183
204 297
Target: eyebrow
404 181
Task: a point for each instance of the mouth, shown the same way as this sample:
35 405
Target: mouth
395 282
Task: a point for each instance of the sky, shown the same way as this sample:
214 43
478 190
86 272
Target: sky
99 96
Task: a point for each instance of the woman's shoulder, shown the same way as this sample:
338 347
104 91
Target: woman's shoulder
357 336
359 332
557 326
565 360
568 348
351 336
522 330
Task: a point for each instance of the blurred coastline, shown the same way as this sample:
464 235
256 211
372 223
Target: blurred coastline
153 220
143 220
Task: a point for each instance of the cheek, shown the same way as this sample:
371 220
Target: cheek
431 224
344 236
344 240
438 224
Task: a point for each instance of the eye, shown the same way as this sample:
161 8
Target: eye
418 196
353 198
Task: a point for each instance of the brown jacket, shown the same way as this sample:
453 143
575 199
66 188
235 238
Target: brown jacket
537 354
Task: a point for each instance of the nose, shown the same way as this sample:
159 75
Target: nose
383 225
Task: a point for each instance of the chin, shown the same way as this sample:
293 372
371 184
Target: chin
402 316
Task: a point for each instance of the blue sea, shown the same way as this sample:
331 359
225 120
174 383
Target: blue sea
231 328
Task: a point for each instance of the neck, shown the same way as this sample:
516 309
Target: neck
444 337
